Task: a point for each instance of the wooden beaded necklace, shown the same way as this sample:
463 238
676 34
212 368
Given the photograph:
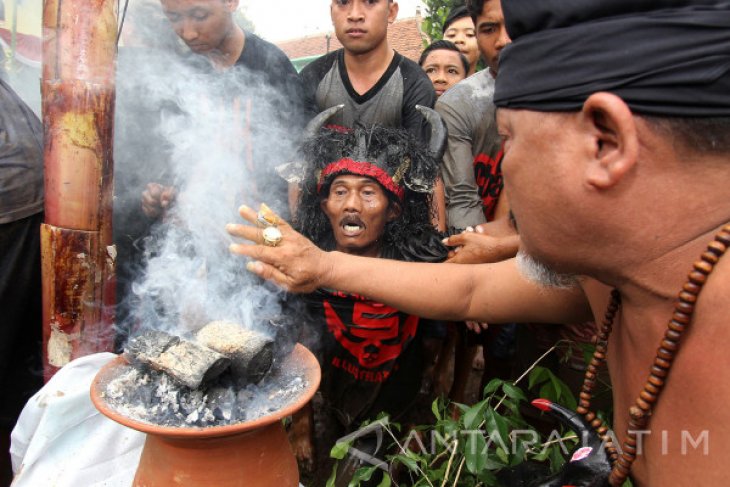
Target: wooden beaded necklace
640 412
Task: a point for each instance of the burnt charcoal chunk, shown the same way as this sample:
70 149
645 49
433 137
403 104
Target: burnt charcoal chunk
251 353
191 363
185 361
148 346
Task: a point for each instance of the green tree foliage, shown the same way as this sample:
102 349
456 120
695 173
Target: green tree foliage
436 13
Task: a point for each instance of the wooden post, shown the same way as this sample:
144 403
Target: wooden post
79 51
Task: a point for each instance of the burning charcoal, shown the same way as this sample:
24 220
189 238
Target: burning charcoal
187 362
251 353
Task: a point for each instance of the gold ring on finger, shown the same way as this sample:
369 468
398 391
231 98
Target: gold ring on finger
263 221
272 236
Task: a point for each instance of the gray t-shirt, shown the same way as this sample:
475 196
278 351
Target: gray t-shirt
391 102
21 158
471 167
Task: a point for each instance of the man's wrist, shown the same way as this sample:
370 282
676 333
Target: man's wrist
328 276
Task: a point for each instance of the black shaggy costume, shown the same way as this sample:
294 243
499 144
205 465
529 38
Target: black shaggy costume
404 167
371 357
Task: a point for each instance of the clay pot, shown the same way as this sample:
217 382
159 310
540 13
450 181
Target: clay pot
251 454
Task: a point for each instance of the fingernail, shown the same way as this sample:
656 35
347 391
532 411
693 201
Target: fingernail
254 267
229 227
445 241
244 208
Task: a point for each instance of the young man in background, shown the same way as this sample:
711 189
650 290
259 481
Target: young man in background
473 185
376 84
459 29
268 81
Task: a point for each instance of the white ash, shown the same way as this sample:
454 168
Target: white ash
153 397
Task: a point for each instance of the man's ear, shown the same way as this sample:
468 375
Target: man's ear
392 11
394 210
616 139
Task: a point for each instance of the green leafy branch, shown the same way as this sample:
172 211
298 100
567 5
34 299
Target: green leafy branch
470 445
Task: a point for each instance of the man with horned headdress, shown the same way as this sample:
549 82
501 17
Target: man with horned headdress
615 117
374 83
365 192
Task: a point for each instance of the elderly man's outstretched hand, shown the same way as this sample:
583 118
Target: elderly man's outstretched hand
294 263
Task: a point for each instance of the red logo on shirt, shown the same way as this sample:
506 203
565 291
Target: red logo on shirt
377 333
488 176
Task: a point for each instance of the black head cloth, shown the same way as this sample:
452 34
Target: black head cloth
662 57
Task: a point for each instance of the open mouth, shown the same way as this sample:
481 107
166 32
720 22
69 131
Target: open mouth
352 226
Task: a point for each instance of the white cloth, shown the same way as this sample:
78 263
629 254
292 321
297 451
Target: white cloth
61 439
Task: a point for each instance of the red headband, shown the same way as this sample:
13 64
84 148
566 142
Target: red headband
362 169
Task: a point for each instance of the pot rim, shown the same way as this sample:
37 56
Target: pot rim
300 356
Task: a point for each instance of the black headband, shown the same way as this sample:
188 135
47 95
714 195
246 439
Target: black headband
664 57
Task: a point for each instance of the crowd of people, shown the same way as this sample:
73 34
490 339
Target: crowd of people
431 208
612 120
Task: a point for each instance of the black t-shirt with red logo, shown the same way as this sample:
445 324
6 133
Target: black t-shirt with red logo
370 353
371 356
